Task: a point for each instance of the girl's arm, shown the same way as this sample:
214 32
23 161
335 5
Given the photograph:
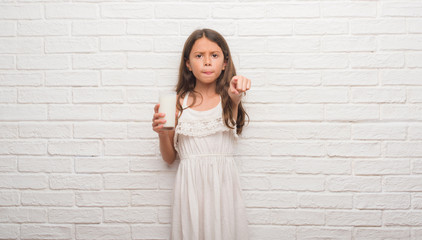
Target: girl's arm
166 137
238 85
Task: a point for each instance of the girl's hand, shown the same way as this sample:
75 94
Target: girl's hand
158 120
238 85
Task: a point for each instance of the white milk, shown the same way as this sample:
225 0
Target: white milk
168 106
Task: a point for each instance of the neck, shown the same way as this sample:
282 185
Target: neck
206 89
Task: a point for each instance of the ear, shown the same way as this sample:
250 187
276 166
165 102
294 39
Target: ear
188 65
224 65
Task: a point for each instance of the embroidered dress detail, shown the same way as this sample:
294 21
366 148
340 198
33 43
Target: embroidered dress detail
201 128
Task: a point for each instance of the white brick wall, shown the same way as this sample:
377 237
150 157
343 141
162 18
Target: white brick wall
333 150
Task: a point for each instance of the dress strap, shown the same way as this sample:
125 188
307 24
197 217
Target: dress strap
185 101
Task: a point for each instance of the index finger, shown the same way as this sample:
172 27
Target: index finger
157 106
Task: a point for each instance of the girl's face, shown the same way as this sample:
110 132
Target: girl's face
206 60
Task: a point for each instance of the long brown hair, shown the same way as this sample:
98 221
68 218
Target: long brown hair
187 80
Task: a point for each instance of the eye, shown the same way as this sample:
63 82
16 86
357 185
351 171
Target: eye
215 55
198 55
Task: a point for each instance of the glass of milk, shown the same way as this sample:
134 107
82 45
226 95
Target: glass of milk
168 107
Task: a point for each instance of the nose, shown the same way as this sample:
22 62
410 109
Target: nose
207 61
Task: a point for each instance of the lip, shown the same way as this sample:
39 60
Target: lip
207 72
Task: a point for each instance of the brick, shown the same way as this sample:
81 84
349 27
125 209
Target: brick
130 147
9 198
265 28
71 11
254 148
267 165
42 62
128 78
324 233
368 131
76 182
102 199
42 28
349 9
9 130
348 44
417 166
277 112
321 95
414 25
321 27
414 95
402 43
297 217
23 147
236 11
44 95
103 231
381 167
354 184
334 201
98 61
9 231
131 215
401 77
127 112
353 149
380 234
127 11
45 164
71 45
142 95
401 9
403 184
253 182
165 215
354 112
379 95
98 28
154 61
8 28
21 12
140 131
73 78
271 232
297 183
99 130
120 44
277 78
101 165
403 149
377 60
403 218
7 62
321 61
24 45
130 181
47 231
171 44
74 148
149 231
414 59
354 218
45 130
297 149
293 10
265 61
377 26
151 198
153 27
97 95
323 166
74 112
381 201
23 215
65 199
70 215
270 199
258 216
23 181
400 112
225 27
417 201
350 78
8 95
181 11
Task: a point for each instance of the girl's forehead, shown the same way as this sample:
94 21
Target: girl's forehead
205 45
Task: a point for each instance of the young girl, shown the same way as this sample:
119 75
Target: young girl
207 203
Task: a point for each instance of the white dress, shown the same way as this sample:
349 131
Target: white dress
207 197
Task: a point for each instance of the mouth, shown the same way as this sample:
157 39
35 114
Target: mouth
208 73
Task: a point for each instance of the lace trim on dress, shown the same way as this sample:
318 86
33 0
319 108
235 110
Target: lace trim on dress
202 128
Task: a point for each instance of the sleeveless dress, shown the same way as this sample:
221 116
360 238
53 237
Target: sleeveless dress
207 197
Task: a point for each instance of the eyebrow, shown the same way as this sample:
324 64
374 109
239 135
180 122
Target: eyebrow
217 51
